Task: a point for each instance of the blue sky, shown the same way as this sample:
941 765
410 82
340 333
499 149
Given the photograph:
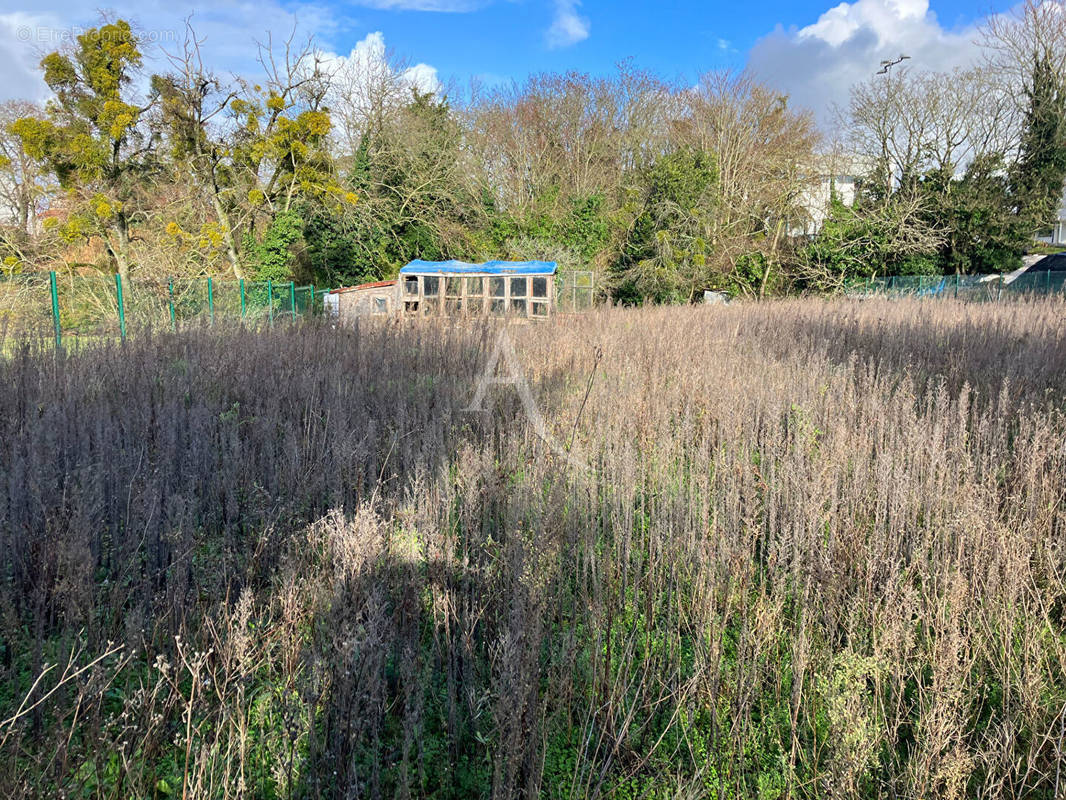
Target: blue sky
678 38
811 49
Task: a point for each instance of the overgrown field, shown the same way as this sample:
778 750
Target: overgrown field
802 549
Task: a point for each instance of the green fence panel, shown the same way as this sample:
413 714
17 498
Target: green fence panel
26 307
73 309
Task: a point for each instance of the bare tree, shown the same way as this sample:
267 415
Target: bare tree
906 124
764 154
22 179
560 137
251 149
368 88
1011 41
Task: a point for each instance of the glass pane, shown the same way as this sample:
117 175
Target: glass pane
475 287
411 306
380 305
540 309
453 287
452 306
540 287
475 305
431 306
518 287
497 287
410 285
431 285
518 306
497 307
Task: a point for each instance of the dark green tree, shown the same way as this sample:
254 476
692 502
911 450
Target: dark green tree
663 256
1040 172
982 232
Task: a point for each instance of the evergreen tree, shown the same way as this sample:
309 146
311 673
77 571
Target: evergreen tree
1040 172
983 234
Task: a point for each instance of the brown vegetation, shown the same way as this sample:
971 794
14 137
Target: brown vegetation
817 551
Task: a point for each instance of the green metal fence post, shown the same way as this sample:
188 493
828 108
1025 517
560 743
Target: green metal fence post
292 299
121 306
242 298
170 302
211 300
55 310
311 302
999 294
270 299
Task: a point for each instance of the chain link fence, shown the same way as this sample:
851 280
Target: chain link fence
96 307
76 307
988 288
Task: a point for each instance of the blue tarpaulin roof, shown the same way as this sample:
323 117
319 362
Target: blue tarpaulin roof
418 267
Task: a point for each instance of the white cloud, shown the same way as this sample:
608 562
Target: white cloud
568 27
816 65
423 77
367 82
370 58
229 28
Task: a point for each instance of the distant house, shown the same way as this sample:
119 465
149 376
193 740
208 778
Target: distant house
832 175
1057 233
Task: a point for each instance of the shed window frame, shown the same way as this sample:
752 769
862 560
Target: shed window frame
493 294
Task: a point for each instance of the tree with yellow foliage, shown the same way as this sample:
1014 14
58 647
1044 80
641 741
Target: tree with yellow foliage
94 137
255 150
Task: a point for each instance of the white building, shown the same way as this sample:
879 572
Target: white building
832 173
1057 234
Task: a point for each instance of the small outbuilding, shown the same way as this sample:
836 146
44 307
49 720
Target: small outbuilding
499 288
366 299
453 288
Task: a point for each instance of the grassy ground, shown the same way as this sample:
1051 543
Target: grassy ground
796 549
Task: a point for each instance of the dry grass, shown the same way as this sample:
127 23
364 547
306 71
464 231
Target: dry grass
817 551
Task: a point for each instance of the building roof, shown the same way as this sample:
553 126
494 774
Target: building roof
375 285
419 267
1056 262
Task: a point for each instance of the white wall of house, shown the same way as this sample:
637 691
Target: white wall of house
1057 234
1058 230
816 199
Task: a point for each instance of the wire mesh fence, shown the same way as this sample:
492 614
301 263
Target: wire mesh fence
575 291
25 306
987 288
97 307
